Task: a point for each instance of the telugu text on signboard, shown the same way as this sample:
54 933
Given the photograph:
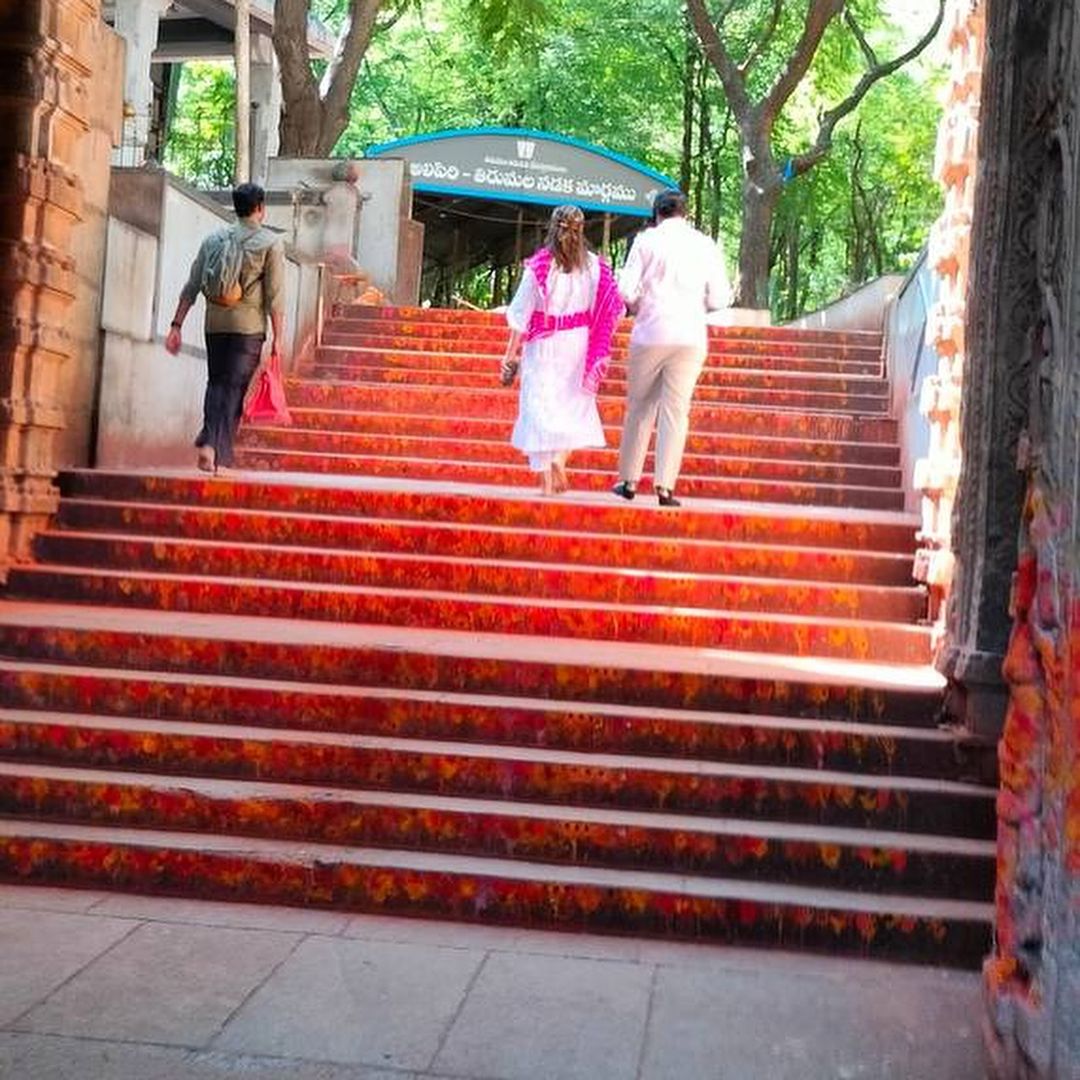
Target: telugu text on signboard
528 167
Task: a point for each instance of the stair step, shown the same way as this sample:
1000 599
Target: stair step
437 539
870 402
380 674
477 354
495 890
839 743
429 321
861 860
259 459
586 514
443 660
514 774
694 466
475 429
357 365
731 416
477 574
804 635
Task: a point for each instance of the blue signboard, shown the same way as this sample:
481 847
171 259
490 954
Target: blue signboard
519 165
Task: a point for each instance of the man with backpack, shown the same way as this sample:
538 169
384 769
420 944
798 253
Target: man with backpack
240 271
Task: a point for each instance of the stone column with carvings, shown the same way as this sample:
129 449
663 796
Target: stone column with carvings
1013 620
937 475
999 341
1033 391
45 52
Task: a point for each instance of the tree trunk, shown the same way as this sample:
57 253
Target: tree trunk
717 176
794 239
310 127
301 126
334 123
314 116
704 144
686 162
307 129
761 192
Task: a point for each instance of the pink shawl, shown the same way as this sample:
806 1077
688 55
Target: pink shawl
606 311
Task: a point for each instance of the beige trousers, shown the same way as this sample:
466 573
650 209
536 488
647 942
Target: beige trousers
660 386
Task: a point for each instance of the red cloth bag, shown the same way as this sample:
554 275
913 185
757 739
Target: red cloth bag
266 403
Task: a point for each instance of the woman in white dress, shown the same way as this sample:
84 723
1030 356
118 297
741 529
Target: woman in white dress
564 314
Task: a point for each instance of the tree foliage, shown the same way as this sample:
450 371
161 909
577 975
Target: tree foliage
789 46
200 145
635 78
315 110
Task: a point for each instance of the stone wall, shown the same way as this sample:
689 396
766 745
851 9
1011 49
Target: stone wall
865 309
937 474
81 375
1021 479
910 360
47 55
366 218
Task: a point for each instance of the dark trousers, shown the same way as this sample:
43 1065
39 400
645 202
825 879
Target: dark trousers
232 359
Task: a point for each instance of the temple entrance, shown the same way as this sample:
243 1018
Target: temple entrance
484 196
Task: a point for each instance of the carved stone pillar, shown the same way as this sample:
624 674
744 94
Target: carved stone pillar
45 59
1025 308
937 475
1001 322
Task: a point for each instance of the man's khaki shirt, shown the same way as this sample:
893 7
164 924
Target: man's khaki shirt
262 279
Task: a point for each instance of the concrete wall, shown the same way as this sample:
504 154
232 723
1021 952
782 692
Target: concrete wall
863 310
909 361
150 404
79 377
379 236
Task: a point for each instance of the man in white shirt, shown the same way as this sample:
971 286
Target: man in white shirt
673 277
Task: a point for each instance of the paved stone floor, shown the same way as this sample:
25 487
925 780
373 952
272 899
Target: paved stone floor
112 987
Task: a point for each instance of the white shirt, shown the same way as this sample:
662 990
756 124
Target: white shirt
673 277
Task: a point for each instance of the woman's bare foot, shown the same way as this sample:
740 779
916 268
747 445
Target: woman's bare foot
559 480
547 483
206 459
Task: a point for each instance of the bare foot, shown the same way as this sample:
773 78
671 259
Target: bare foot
547 483
559 480
206 459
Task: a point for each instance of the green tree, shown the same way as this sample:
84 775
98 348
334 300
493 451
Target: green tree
200 145
866 210
763 52
635 78
315 105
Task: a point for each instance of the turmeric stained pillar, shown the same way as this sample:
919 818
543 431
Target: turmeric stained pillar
46 57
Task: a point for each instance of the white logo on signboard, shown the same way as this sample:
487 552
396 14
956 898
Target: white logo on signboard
526 149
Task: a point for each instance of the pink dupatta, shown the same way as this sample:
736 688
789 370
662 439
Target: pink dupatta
606 311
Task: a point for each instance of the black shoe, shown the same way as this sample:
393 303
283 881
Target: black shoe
625 490
666 497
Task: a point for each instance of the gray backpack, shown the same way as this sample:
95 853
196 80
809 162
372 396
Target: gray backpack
224 258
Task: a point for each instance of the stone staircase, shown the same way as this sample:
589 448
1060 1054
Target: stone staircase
780 417
371 670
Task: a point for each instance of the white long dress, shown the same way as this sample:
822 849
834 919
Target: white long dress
555 414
